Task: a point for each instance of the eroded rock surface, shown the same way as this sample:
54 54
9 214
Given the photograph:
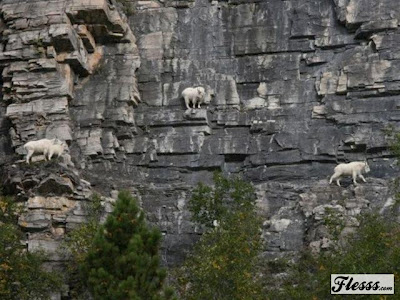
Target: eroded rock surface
299 86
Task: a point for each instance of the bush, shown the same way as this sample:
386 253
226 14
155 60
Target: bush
123 262
21 273
373 249
393 137
223 264
77 245
127 7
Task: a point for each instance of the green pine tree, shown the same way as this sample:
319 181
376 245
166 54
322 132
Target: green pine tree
124 262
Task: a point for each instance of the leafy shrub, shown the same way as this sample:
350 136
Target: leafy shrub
127 7
22 275
373 249
77 244
393 137
223 264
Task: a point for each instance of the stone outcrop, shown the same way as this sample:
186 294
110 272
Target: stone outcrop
50 47
300 85
49 50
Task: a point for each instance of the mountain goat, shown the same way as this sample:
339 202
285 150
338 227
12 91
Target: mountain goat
354 169
196 95
44 146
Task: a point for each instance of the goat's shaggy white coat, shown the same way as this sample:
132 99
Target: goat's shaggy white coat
194 95
354 169
56 149
44 146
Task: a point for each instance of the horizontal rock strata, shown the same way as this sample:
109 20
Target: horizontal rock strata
299 86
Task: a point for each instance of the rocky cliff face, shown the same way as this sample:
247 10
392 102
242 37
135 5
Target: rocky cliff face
299 85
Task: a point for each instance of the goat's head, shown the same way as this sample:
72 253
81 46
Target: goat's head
366 167
201 92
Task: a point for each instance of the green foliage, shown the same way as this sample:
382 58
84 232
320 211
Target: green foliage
77 244
334 222
123 262
127 7
228 197
373 249
79 240
393 137
21 273
224 262
40 46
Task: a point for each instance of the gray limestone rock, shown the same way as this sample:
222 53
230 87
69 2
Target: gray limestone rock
111 87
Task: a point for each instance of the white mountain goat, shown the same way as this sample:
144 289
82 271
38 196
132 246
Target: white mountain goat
44 146
196 95
354 169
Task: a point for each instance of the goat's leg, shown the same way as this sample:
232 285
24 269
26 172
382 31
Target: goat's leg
354 178
51 152
334 177
187 102
362 177
45 153
29 155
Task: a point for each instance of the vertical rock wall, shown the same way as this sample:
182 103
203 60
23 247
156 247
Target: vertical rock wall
299 85
49 49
